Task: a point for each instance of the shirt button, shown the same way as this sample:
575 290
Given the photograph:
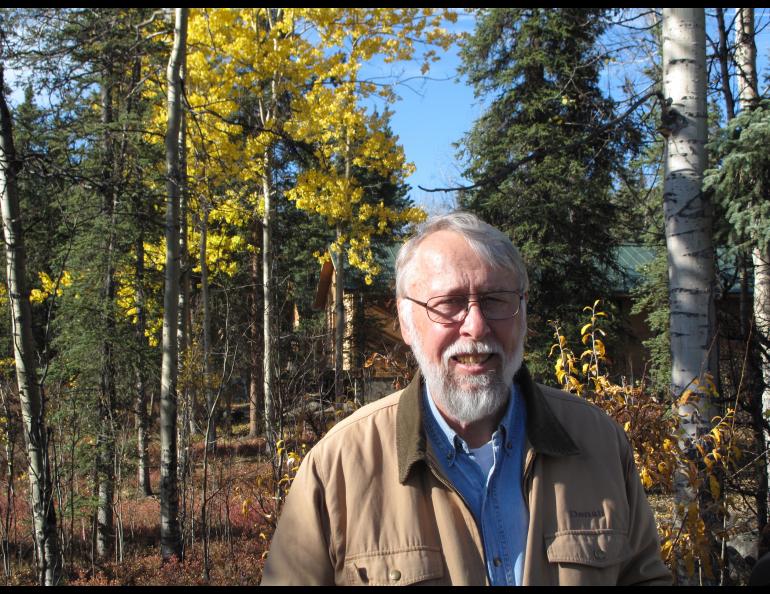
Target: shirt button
497 562
600 555
394 575
509 445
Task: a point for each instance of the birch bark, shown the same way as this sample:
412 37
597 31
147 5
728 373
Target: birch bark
169 487
32 409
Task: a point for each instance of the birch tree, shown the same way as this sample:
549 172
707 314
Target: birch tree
33 413
169 488
748 97
688 220
740 184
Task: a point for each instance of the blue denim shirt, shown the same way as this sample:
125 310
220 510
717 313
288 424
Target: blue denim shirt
496 500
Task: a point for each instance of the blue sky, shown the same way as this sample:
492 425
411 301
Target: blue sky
436 111
431 116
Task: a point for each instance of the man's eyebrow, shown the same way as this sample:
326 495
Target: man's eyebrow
486 291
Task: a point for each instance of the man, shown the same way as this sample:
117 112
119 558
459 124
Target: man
472 474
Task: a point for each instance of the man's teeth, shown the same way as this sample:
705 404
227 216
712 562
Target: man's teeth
472 359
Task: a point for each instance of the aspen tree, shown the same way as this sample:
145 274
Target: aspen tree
748 97
688 218
32 409
169 488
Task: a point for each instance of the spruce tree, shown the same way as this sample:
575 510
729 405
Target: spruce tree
543 155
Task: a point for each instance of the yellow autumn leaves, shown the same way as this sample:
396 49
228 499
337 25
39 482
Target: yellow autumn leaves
662 452
49 286
245 63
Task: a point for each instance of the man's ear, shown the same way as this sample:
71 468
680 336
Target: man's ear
403 322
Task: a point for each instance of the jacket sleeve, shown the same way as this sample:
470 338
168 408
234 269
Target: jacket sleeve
644 567
299 551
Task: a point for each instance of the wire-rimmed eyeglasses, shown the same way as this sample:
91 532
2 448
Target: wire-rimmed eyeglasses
452 309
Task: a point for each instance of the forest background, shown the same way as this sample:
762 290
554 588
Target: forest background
173 181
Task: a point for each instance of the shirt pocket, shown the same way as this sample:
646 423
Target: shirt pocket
395 567
594 548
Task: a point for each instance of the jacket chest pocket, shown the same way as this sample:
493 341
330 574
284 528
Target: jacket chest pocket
594 548
395 568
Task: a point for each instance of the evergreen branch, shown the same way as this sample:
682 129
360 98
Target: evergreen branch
540 153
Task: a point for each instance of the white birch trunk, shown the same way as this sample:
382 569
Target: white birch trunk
186 396
746 58
268 354
688 218
687 211
169 487
43 513
339 323
268 108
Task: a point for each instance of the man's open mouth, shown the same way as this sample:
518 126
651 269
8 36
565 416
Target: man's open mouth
475 359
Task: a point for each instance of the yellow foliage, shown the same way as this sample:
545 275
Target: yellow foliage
49 286
660 451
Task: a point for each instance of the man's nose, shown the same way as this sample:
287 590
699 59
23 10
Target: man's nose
475 324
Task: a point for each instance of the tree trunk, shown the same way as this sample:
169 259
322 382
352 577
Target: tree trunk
169 487
186 412
32 409
748 96
211 424
255 371
268 353
141 416
761 258
339 323
339 298
723 55
105 441
688 217
746 58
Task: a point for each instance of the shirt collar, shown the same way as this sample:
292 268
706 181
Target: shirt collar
544 432
512 408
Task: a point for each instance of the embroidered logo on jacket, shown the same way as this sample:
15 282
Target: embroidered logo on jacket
597 513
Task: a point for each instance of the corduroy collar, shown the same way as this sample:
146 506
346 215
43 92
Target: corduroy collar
544 432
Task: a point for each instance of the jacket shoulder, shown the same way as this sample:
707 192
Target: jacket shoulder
564 404
370 427
584 421
369 413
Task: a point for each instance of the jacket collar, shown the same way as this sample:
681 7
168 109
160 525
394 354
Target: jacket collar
544 432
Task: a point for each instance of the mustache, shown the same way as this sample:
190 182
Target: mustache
483 347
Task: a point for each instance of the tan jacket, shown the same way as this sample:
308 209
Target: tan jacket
369 504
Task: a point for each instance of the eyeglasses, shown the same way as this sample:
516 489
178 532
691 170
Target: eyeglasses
453 309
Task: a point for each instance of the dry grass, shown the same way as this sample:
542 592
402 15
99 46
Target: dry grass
236 544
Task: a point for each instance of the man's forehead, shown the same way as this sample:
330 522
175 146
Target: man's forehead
445 261
444 250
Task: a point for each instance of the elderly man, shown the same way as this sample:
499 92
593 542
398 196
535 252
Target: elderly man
472 474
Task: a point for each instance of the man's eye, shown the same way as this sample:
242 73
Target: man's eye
449 302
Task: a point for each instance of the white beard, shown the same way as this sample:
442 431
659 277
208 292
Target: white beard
473 397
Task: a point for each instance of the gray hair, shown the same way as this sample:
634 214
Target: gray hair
490 244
